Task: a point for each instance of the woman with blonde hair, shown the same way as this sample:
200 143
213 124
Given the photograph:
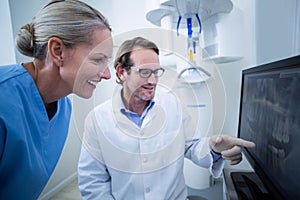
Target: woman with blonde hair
70 43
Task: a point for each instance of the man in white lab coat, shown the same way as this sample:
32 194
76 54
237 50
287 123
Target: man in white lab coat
135 143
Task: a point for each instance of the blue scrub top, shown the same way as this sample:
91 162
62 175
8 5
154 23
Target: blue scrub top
30 144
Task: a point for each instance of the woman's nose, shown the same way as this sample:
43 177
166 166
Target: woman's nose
105 74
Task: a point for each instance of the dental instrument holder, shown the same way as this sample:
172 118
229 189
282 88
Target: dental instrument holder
189 10
193 50
192 43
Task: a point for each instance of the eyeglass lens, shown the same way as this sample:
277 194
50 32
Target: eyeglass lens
146 73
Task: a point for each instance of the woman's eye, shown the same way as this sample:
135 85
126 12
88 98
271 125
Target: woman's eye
99 60
102 60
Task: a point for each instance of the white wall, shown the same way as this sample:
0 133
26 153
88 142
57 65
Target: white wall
7 53
22 13
123 16
244 30
277 29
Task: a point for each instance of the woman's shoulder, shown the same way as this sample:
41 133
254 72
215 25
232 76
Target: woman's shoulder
11 71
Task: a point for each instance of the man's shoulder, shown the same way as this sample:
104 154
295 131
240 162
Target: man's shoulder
103 107
166 95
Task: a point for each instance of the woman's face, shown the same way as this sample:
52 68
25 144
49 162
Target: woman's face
88 63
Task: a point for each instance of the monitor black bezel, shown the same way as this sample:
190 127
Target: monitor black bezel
287 63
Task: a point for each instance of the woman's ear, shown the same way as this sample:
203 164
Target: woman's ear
55 50
120 71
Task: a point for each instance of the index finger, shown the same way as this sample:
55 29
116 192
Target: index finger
244 143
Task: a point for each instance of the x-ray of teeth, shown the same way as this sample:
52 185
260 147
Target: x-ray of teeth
271 118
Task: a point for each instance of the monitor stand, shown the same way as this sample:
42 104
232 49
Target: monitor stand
244 185
247 186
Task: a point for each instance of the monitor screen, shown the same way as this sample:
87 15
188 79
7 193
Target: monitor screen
270 117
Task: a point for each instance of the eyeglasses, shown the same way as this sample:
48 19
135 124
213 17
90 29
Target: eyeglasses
146 73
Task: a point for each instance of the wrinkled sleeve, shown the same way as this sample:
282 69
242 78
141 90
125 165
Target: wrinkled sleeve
94 181
198 149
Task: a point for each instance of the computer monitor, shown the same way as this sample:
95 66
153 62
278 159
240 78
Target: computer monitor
270 117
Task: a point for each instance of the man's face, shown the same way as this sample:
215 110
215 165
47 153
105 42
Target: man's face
141 88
